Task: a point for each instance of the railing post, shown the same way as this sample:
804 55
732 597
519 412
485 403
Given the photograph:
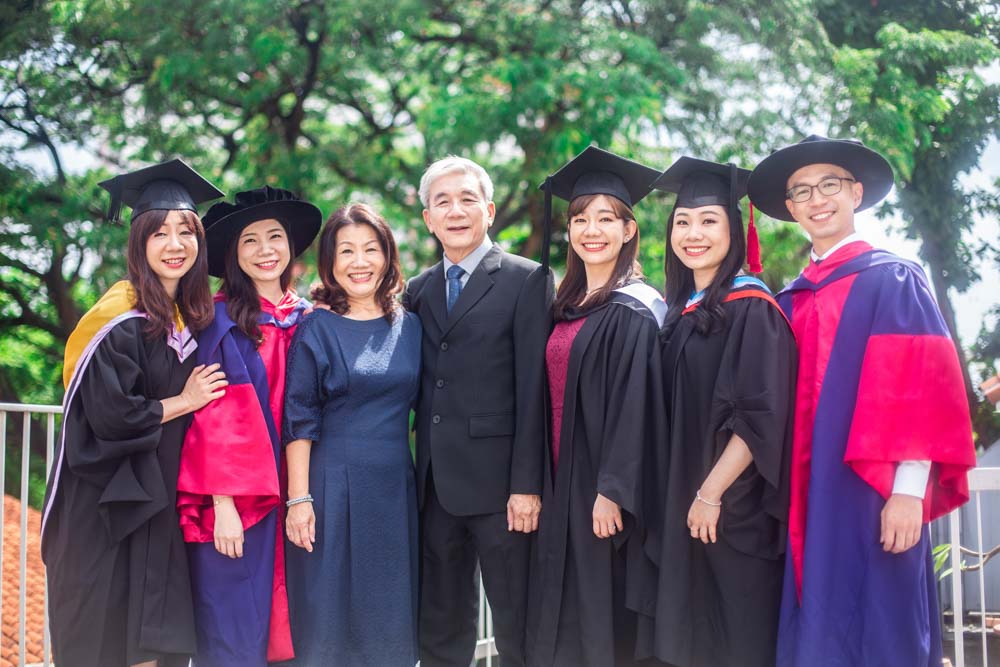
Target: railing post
23 596
957 606
3 467
982 578
50 439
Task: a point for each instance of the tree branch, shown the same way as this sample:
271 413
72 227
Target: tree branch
13 263
27 317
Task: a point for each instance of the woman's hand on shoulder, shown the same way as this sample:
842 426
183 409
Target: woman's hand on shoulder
204 385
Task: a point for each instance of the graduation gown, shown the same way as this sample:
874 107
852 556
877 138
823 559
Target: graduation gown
119 589
241 606
716 605
576 612
878 383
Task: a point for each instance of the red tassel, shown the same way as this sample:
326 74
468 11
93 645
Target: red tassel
753 246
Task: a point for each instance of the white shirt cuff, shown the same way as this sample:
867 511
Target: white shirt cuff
911 478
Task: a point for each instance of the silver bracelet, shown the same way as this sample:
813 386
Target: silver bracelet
296 501
697 495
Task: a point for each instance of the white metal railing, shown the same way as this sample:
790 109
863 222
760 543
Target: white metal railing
485 644
980 480
48 413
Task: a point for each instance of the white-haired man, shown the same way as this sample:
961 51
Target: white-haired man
480 418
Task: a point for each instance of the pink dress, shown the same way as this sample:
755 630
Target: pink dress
557 352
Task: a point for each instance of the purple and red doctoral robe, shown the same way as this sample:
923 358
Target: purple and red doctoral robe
233 448
878 383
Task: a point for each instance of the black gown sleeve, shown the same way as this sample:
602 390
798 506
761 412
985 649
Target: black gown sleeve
118 454
754 398
631 403
532 324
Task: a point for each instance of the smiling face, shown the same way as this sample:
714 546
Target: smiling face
827 219
700 239
263 254
171 250
458 214
597 234
359 262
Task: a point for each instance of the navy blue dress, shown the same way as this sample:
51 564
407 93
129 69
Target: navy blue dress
350 385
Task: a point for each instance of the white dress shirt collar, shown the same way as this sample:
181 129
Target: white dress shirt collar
851 238
472 260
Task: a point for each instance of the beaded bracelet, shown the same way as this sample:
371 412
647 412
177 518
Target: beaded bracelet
296 501
697 495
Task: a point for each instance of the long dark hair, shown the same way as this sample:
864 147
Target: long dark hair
193 298
680 279
573 288
330 292
242 299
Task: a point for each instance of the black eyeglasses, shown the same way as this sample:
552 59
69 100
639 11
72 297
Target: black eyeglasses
828 187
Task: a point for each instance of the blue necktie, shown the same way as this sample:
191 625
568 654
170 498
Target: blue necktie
455 273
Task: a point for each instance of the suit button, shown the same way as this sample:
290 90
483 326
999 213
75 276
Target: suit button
436 419
444 346
439 384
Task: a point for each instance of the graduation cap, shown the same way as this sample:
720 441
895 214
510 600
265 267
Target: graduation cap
700 183
595 172
168 186
224 221
768 184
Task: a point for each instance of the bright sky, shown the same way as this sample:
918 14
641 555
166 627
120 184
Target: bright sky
971 306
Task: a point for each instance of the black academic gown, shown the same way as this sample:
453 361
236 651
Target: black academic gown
577 615
119 591
716 605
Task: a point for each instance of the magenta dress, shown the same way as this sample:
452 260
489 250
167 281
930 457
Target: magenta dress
556 363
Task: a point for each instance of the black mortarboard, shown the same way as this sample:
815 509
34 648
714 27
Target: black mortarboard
168 186
769 182
700 183
595 172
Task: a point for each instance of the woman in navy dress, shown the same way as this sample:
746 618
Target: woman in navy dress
353 370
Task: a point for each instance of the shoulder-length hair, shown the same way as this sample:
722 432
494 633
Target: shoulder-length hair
573 288
680 279
242 298
330 292
193 298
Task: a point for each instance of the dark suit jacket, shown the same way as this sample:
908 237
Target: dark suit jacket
480 417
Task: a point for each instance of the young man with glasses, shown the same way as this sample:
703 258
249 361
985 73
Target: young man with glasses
882 438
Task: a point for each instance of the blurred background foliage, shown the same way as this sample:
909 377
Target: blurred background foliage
345 101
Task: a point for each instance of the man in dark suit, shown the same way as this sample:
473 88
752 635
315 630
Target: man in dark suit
480 419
